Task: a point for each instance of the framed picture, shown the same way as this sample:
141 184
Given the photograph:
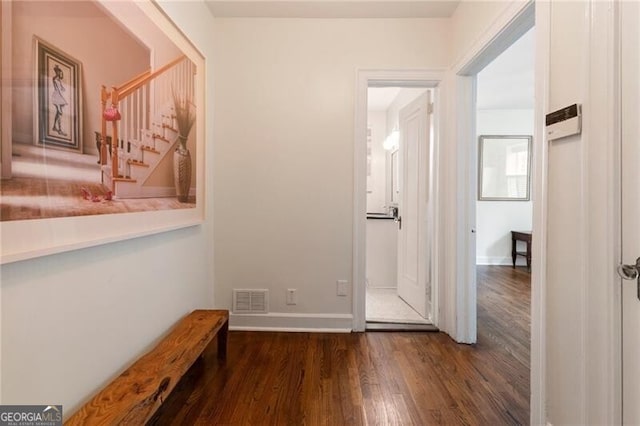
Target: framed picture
58 117
504 168
117 150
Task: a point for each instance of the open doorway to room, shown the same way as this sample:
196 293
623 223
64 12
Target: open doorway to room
415 225
398 178
505 127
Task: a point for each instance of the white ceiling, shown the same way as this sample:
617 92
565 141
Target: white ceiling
508 81
333 8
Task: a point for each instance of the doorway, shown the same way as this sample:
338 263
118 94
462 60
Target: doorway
398 157
504 131
386 222
510 28
505 123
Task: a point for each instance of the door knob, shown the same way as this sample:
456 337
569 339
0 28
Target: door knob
399 221
631 272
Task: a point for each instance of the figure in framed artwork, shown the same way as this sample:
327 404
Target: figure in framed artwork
58 100
58 116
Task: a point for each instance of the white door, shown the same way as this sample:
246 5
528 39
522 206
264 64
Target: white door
630 85
414 160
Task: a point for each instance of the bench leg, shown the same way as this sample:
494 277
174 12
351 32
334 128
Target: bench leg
222 341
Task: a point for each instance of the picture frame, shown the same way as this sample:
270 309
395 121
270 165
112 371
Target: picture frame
157 208
58 111
504 167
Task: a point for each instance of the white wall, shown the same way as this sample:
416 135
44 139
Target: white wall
285 131
377 182
73 321
163 50
496 219
470 22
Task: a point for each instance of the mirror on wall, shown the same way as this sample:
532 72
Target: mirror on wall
504 169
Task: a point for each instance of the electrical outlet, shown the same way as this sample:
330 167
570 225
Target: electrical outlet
292 296
341 287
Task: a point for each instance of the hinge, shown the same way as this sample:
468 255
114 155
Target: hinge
430 108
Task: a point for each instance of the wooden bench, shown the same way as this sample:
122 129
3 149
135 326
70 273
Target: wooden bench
135 395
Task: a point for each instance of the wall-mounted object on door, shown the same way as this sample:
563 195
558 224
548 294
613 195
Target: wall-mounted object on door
504 168
564 122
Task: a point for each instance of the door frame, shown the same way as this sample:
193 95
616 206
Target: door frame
517 18
385 78
617 342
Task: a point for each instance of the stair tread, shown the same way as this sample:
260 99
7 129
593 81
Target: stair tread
166 126
123 179
137 163
149 149
162 138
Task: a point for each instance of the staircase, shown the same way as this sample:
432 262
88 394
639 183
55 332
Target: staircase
147 132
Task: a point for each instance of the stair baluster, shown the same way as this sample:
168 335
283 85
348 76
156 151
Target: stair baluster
147 125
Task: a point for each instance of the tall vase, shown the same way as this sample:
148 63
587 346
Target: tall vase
182 170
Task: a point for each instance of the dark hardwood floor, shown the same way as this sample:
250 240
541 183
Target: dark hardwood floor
370 378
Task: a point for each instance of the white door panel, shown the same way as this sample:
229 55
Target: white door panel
630 110
414 187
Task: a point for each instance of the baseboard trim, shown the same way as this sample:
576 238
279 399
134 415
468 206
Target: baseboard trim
291 330
500 261
23 138
292 322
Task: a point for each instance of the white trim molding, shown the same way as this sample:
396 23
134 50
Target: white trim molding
539 226
291 322
602 214
500 260
383 78
515 20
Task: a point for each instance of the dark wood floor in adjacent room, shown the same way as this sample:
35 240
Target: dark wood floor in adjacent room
371 378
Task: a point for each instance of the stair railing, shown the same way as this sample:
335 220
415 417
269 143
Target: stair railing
138 101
